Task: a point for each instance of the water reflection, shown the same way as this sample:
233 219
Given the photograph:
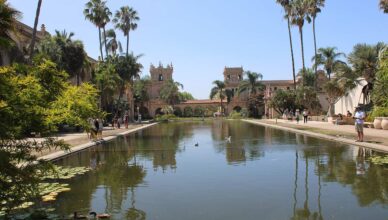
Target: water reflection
158 173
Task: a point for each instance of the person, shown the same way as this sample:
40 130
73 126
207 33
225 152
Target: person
97 127
115 121
339 119
359 115
348 114
126 119
297 116
100 128
305 115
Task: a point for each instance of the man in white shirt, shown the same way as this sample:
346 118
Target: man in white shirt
359 115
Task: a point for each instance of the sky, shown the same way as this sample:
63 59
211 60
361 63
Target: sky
201 37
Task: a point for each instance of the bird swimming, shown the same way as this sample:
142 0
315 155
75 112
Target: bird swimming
228 139
196 144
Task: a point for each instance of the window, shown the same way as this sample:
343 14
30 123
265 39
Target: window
160 77
288 88
276 88
239 77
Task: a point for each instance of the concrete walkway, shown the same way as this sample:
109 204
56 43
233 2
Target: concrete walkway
80 141
374 138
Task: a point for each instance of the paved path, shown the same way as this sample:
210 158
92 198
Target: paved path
80 141
374 138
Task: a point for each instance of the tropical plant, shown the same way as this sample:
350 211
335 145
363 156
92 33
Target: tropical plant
169 92
286 4
125 20
188 111
219 90
141 90
299 14
99 14
308 77
334 91
329 59
252 84
33 39
306 98
384 5
107 81
8 18
112 43
184 96
282 100
313 8
380 89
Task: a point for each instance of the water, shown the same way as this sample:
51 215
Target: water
263 173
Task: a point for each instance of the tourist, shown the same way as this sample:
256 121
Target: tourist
96 127
115 120
349 114
359 115
305 115
100 128
297 116
126 119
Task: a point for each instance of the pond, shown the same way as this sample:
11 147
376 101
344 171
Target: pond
191 171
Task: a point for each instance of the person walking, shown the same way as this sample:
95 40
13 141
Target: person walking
359 115
305 116
97 127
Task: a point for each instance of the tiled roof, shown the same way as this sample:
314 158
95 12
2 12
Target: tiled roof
203 101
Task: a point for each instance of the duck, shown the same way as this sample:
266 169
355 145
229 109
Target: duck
77 216
99 216
196 144
228 139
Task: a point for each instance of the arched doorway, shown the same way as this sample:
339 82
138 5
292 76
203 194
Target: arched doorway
158 111
145 114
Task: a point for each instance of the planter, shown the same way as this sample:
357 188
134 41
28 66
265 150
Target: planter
384 123
377 123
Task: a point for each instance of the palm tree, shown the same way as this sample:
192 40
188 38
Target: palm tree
328 57
314 7
251 84
298 16
125 20
286 4
112 43
170 92
384 5
34 30
8 18
97 13
218 89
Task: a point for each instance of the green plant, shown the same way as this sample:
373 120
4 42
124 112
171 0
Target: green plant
235 115
199 111
187 111
164 118
380 112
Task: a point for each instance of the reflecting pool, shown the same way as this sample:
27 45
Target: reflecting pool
261 173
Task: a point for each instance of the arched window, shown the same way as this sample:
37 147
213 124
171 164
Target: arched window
160 77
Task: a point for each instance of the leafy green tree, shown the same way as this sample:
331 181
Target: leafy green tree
188 111
184 96
107 80
286 4
169 92
384 5
141 90
306 97
99 14
282 100
334 91
308 77
380 90
112 43
199 111
125 20
299 13
218 90
329 59
313 8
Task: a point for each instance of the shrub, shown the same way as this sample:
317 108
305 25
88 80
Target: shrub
199 111
379 112
178 112
164 118
235 115
188 111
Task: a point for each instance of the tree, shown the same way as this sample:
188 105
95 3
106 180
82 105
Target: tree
308 77
32 45
334 92
364 60
97 13
125 20
218 89
184 96
282 100
298 16
329 59
169 92
107 80
141 90
286 4
384 5
380 90
8 18
306 97
313 8
112 43
252 84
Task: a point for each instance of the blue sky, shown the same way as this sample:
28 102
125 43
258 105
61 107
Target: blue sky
201 37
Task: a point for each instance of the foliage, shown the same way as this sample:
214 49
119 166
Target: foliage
384 5
169 92
8 18
187 111
140 89
178 112
235 115
198 111
167 109
282 100
107 80
379 112
112 43
306 98
218 90
334 92
184 96
380 89
329 59
254 104
252 84
164 118
379 160
125 20
308 77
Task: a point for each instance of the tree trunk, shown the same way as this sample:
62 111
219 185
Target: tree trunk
34 30
132 102
301 45
315 52
99 37
106 48
77 78
127 43
292 52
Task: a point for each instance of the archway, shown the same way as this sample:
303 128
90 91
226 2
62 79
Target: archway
144 112
158 111
237 109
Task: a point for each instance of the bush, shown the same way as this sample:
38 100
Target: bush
178 112
235 115
199 111
379 112
188 111
164 118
